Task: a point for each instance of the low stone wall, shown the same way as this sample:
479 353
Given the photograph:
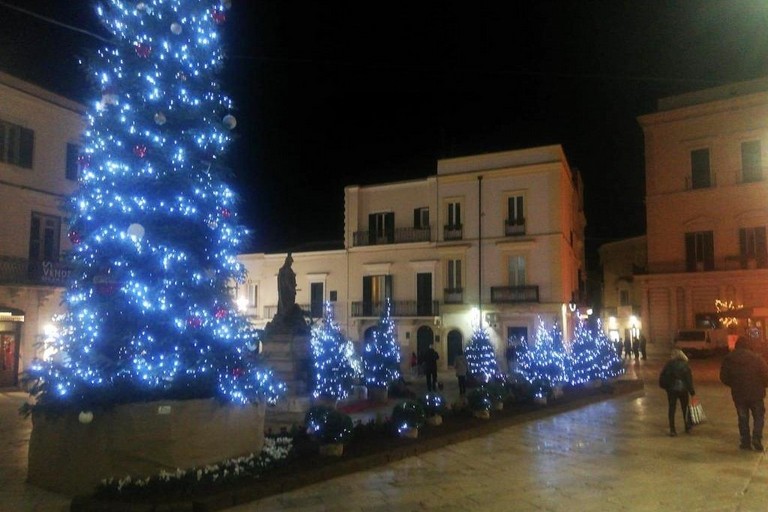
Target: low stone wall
139 439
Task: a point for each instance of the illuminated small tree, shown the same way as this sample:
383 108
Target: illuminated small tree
542 364
482 365
381 354
334 361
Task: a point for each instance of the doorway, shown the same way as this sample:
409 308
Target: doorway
454 341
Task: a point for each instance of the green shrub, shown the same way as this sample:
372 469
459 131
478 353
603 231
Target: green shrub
480 399
408 414
433 404
328 425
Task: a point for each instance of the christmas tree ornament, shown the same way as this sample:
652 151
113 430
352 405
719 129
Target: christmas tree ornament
230 121
220 312
140 150
195 322
143 50
84 161
136 232
141 6
85 417
218 16
75 237
226 212
176 28
160 119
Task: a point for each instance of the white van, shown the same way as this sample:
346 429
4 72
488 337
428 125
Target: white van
701 342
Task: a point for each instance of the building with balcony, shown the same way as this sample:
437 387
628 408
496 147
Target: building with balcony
497 237
621 261
706 207
39 140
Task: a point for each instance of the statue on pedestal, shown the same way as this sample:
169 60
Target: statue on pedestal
290 317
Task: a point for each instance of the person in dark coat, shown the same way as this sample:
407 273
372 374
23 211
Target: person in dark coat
430 367
627 348
677 380
746 373
636 348
643 346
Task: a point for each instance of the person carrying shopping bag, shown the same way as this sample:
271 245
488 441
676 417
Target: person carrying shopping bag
677 380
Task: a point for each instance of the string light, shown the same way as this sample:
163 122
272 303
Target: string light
381 354
154 226
333 356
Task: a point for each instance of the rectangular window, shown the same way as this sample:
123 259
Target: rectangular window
16 144
253 295
421 218
516 271
453 274
699 251
72 171
700 172
44 235
454 215
376 290
316 299
515 213
752 247
623 297
751 162
381 228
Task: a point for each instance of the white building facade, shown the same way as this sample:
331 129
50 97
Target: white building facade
40 134
497 237
707 207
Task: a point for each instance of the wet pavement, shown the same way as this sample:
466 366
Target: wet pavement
615 455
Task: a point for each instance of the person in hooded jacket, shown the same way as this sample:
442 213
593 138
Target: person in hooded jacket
746 373
677 380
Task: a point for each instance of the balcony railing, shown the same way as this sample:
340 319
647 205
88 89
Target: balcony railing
514 227
453 295
511 294
23 271
453 232
399 308
399 236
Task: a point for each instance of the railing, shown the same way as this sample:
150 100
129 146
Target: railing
453 232
528 293
399 236
453 295
514 227
23 271
399 308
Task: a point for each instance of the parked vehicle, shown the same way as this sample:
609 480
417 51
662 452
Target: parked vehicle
701 342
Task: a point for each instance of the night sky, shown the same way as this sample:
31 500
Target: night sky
337 93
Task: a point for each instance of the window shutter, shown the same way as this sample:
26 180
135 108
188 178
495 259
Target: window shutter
417 218
26 148
690 252
709 250
760 247
389 226
371 228
388 286
743 256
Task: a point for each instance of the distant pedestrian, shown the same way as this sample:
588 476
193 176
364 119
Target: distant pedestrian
627 348
619 346
636 348
643 343
414 364
460 366
677 380
746 373
430 367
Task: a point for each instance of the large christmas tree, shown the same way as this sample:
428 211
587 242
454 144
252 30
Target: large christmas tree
153 224
543 363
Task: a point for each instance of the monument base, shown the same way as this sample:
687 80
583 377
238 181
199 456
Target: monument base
139 439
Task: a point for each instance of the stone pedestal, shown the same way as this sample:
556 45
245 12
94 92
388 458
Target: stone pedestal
290 358
139 439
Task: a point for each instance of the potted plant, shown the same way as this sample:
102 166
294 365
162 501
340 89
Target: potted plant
479 401
330 427
407 417
434 407
499 393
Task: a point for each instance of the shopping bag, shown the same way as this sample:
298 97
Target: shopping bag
696 412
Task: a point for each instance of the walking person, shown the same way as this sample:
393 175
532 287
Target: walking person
643 346
636 348
746 373
430 367
627 348
460 366
677 380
